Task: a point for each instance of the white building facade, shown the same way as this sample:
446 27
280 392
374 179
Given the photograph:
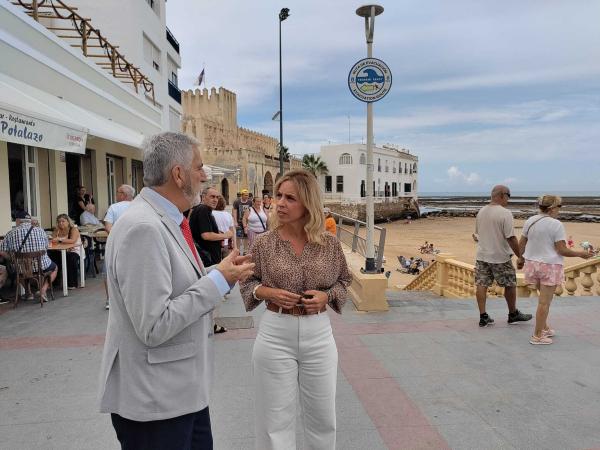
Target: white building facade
76 103
394 175
142 35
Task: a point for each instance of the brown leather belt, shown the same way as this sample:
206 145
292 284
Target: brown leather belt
295 311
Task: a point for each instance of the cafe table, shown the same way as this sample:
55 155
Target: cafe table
63 257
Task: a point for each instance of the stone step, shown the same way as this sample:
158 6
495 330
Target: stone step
397 298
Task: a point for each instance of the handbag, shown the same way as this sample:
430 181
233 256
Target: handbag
259 218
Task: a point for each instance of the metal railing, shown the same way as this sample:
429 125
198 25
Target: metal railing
171 39
92 43
174 92
350 236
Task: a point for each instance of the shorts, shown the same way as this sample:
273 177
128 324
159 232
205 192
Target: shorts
542 273
51 268
503 273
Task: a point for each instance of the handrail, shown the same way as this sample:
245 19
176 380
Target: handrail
425 280
117 64
359 244
456 279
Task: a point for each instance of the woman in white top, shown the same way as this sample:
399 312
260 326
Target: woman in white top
224 222
254 220
543 246
66 232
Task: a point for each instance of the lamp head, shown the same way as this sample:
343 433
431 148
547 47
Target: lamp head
283 14
365 10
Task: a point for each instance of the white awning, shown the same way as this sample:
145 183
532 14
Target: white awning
63 125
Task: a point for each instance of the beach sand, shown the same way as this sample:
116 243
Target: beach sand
453 235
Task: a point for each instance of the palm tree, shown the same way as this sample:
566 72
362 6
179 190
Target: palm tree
286 153
314 165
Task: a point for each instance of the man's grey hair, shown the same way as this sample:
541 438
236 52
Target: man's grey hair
129 190
162 152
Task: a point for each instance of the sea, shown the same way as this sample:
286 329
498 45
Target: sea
574 202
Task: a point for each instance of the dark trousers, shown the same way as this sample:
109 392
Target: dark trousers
72 265
189 432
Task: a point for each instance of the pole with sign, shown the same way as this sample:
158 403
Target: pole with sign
369 80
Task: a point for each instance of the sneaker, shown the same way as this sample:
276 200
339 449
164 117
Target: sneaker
485 320
548 333
518 316
543 340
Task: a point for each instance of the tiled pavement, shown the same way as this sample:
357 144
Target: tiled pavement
422 375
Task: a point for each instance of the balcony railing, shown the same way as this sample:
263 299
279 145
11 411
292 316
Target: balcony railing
174 92
89 39
172 40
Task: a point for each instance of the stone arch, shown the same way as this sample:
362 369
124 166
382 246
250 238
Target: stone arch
268 183
225 190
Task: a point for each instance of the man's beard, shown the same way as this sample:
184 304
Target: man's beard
191 195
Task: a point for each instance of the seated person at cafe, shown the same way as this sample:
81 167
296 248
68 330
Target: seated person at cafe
66 232
26 238
88 217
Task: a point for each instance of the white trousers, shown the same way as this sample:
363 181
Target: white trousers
295 356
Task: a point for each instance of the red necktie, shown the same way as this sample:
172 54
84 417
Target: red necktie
187 234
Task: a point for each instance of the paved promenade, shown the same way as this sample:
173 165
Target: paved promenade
422 376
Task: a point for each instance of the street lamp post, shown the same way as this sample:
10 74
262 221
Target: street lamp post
283 14
369 12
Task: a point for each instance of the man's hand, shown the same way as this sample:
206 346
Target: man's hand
314 301
235 268
520 263
228 234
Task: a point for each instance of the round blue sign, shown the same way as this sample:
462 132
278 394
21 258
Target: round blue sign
370 80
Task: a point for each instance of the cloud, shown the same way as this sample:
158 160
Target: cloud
457 177
551 75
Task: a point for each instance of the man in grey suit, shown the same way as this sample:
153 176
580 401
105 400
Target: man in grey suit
158 358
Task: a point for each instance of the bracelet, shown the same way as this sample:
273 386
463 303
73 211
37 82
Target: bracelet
254 293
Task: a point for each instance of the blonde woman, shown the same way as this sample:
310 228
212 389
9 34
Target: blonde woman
300 270
65 232
543 246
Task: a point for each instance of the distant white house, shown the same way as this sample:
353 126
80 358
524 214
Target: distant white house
394 175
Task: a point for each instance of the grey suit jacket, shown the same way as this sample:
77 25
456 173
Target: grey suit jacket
158 357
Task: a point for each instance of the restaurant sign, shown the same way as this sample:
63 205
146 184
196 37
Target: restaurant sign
28 130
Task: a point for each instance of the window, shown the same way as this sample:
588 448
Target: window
327 183
386 189
405 168
407 188
173 68
415 168
154 5
23 179
137 175
363 190
339 183
111 180
394 167
394 189
151 54
378 164
363 158
345 159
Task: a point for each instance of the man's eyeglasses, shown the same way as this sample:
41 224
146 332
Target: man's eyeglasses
507 194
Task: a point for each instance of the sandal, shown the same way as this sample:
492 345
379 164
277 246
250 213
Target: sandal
219 329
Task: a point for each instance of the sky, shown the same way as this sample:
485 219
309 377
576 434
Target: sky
483 92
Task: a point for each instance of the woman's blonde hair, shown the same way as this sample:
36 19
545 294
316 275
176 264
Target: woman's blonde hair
546 202
309 195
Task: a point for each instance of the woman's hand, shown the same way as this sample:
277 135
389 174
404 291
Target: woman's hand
586 254
283 298
520 263
314 304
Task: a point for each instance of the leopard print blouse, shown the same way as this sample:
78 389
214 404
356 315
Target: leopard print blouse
320 267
